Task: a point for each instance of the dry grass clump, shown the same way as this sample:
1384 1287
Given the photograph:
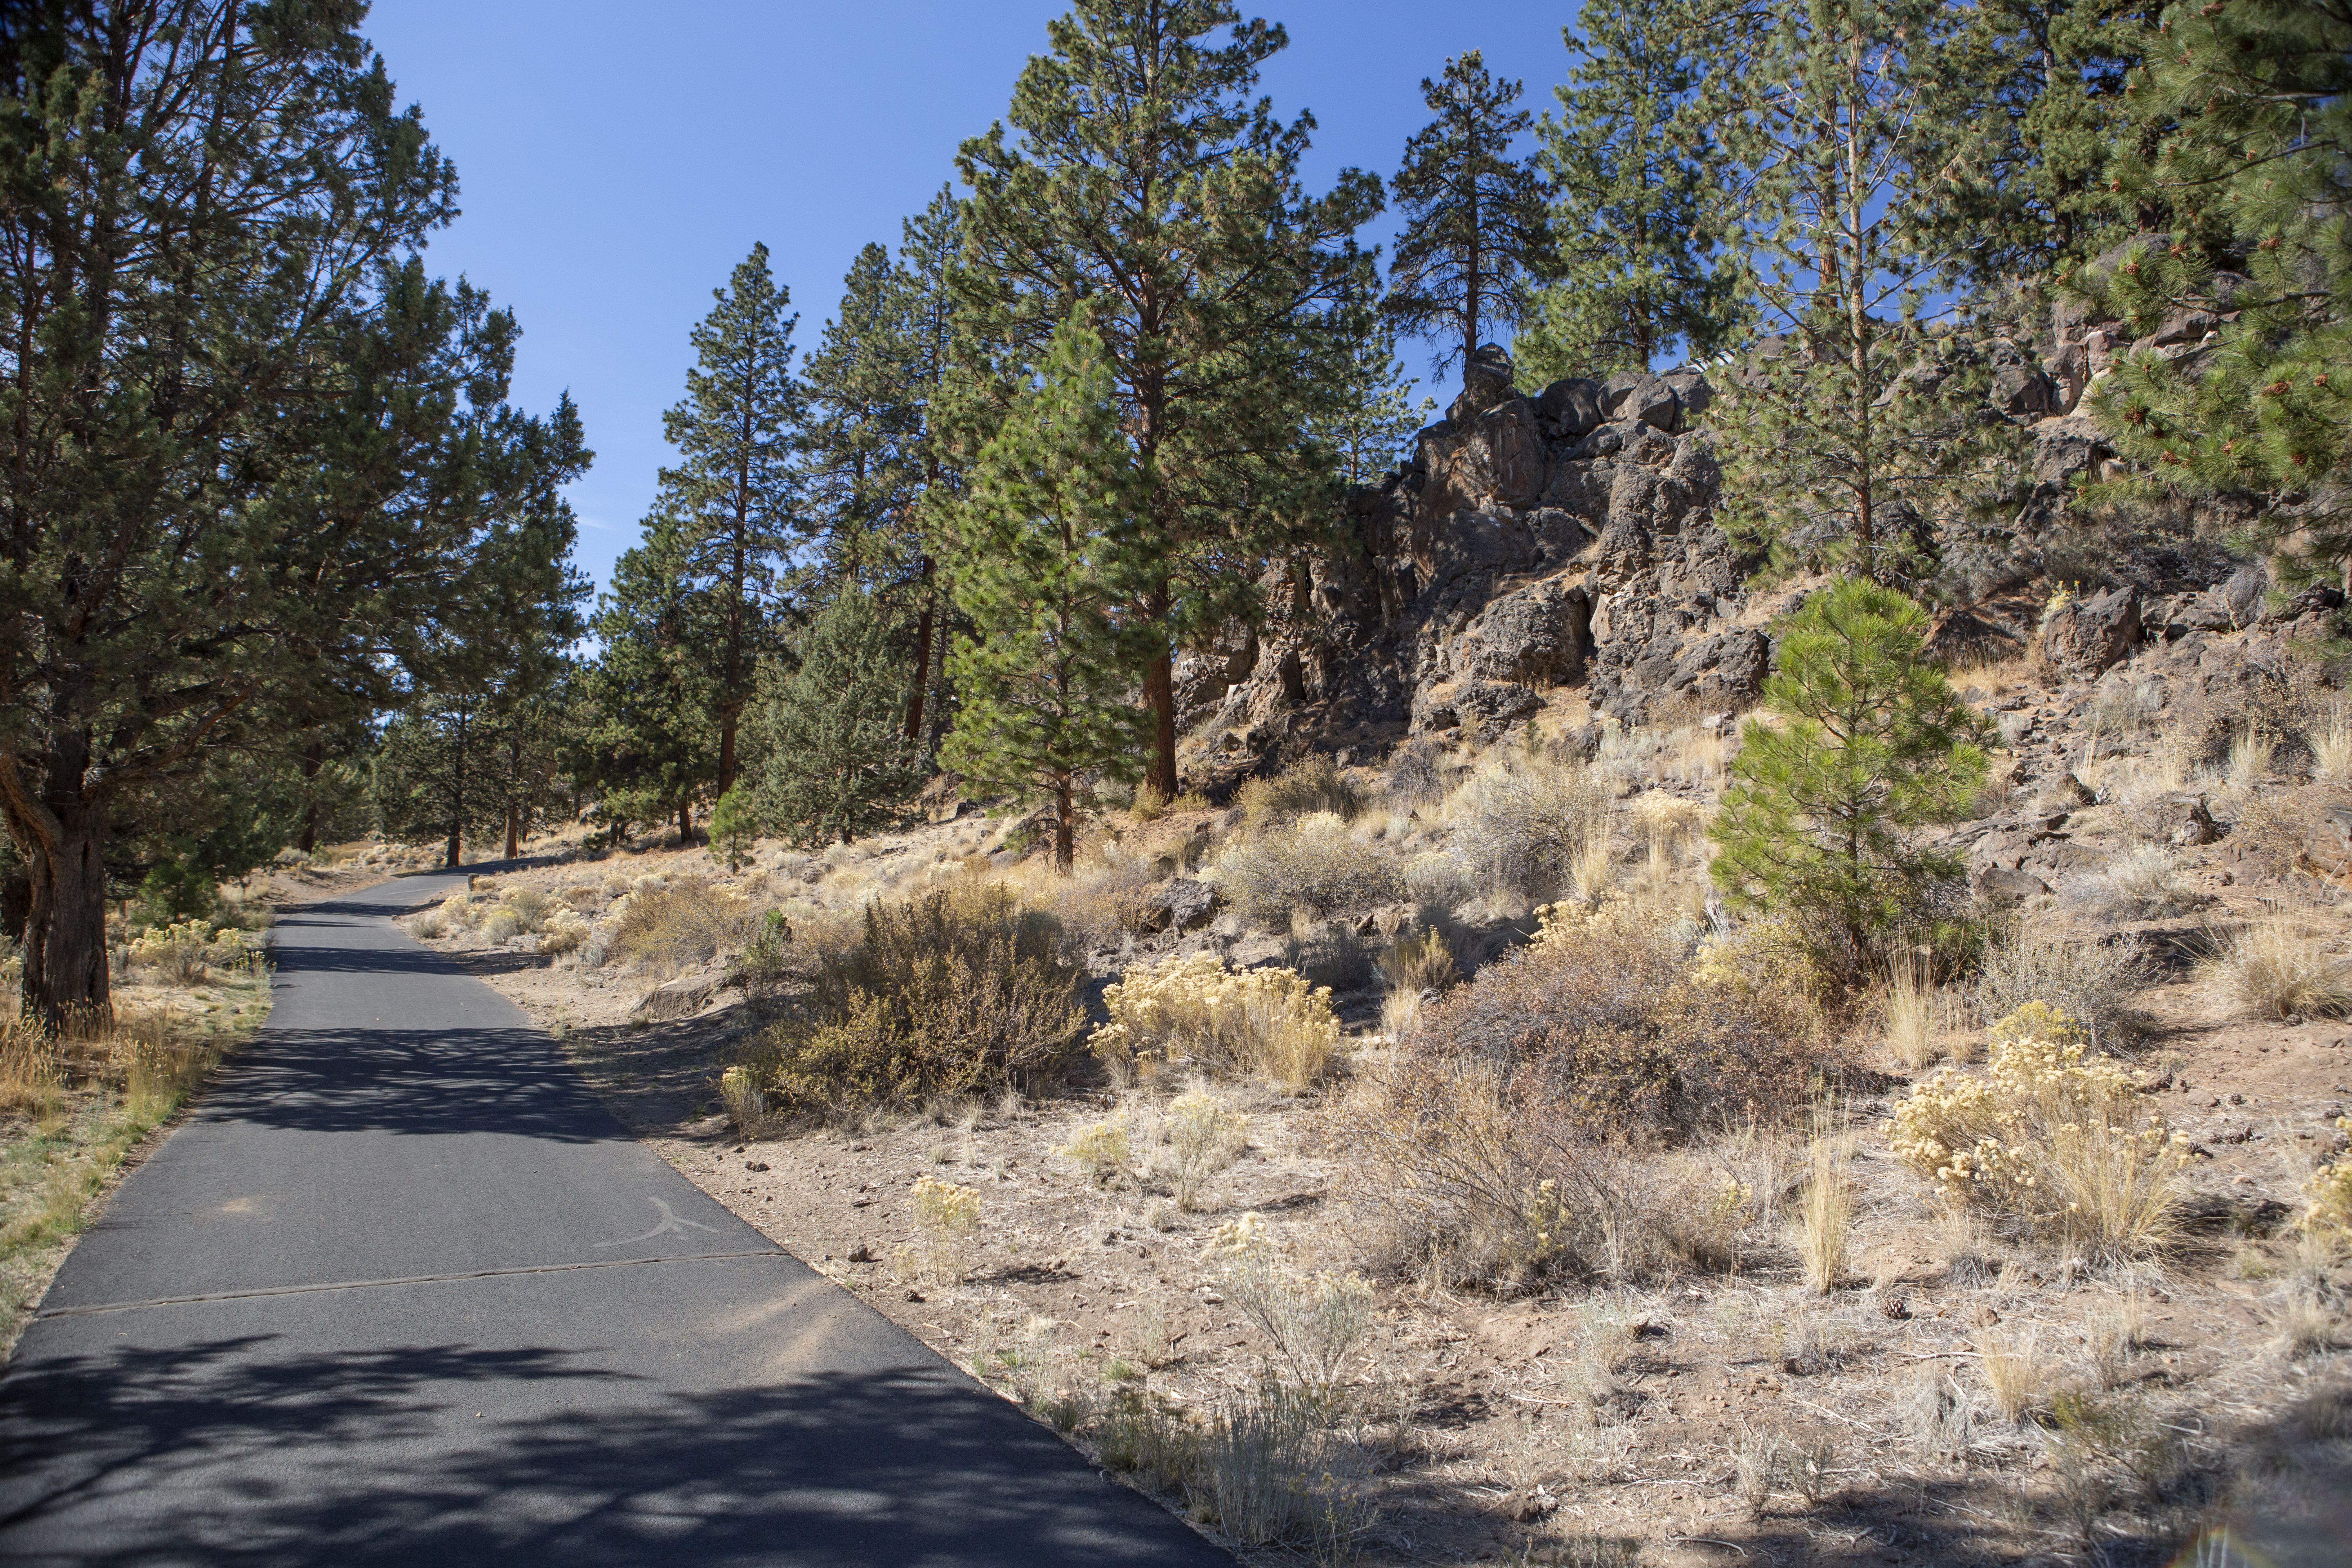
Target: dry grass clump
1524 829
1517 1135
2143 883
1202 1135
1316 867
2016 1375
671 926
1196 1012
2275 968
1668 822
2053 1142
1314 1320
2090 982
1825 1216
2331 742
1911 1010
32 1069
1314 785
938 994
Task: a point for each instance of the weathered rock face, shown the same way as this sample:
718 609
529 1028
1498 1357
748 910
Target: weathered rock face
1536 551
2084 636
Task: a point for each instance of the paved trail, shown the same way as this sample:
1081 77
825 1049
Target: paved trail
403 1291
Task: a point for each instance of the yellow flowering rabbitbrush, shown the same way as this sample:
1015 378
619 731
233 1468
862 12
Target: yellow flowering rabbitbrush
1197 1010
2054 1140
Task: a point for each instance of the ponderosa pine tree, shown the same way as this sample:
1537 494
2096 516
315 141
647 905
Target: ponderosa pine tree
2257 97
733 497
873 453
1374 425
1144 180
1476 231
647 732
1047 563
1872 743
2034 193
1842 430
436 775
1635 183
251 455
835 758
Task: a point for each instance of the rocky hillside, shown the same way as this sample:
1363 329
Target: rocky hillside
1559 554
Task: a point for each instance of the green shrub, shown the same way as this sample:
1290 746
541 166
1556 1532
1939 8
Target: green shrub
1873 743
1317 866
943 993
734 828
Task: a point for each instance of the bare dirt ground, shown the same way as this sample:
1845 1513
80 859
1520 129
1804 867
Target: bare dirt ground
1601 1423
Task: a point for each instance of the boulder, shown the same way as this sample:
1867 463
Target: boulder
2025 391
2087 636
1486 709
2005 888
1640 396
1535 637
1570 409
2066 448
681 998
2192 821
1486 383
1691 390
1183 904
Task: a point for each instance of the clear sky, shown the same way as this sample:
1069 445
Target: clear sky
616 161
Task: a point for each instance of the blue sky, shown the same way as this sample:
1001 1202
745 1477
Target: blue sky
616 161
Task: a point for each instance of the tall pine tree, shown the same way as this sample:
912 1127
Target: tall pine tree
249 449
647 736
1143 178
1476 229
1048 560
874 451
1843 429
733 496
2252 106
1635 178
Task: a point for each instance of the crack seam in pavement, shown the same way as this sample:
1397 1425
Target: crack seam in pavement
99 1307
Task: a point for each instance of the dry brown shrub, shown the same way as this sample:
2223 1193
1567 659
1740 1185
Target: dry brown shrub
940 994
672 926
1316 867
1315 784
1519 1132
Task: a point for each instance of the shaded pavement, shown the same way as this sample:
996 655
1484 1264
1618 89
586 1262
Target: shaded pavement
402 1290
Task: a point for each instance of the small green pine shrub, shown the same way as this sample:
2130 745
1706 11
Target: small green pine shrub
1872 742
943 994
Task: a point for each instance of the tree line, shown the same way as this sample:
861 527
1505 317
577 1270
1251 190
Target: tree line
282 558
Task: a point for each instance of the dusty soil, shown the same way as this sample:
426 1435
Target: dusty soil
1601 1423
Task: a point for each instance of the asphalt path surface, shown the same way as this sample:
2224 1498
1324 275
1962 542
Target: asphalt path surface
402 1291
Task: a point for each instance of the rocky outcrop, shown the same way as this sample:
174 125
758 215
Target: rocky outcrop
1536 550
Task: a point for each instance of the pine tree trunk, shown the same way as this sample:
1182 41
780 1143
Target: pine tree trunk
514 826
728 715
922 655
455 854
1064 824
685 822
1159 696
66 984
314 758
